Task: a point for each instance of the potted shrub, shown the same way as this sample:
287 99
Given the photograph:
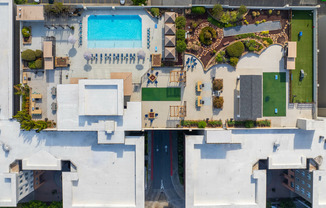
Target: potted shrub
206 35
218 102
217 84
155 12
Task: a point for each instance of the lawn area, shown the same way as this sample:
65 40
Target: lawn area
161 94
274 94
302 91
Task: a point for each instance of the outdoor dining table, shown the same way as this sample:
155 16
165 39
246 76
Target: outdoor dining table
152 77
151 115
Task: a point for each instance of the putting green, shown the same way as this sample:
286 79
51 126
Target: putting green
274 94
161 94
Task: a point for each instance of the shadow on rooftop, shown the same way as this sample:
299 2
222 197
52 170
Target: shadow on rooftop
303 139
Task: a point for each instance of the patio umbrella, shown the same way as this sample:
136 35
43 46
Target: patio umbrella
72 39
141 54
87 55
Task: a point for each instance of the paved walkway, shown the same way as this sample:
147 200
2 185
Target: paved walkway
252 28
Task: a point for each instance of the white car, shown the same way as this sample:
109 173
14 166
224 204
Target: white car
122 2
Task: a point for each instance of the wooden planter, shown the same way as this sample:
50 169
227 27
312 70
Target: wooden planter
27 41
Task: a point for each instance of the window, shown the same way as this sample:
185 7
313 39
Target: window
309 186
21 188
21 181
303 173
292 184
302 190
309 177
302 182
297 187
297 179
308 194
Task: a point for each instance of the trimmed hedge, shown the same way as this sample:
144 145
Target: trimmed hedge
206 35
28 55
249 123
26 31
198 10
201 124
235 50
217 84
234 61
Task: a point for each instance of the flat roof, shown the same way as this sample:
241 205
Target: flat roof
223 175
100 97
290 63
116 181
292 49
250 97
47 49
30 12
6 59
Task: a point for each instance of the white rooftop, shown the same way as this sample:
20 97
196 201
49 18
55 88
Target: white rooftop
116 181
6 58
101 97
222 175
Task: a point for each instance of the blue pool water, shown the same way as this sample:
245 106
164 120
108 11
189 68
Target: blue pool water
114 31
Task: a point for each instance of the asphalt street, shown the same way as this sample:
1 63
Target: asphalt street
162 166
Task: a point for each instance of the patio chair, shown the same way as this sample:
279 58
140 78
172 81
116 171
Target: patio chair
155 48
156 73
117 56
187 62
155 26
131 57
148 74
105 56
192 66
114 56
127 56
148 81
96 56
92 57
275 111
195 64
156 114
134 55
109 56
156 82
151 110
101 56
146 115
122 56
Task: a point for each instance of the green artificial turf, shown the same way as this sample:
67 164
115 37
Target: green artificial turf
274 94
161 94
302 91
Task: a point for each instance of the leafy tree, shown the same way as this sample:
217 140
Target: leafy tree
20 1
26 31
218 102
181 34
180 22
55 205
287 203
28 55
34 204
242 9
39 64
235 50
217 11
181 46
155 12
198 10
39 54
139 2
31 65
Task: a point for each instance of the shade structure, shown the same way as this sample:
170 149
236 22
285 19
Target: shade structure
170 40
169 53
87 55
141 54
169 17
169 29
72 39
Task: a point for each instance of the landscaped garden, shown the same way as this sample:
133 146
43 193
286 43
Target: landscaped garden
302 89
207 42
274 94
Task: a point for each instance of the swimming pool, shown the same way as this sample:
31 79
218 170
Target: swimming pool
114 31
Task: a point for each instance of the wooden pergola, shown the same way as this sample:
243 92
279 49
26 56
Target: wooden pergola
178 76
178 111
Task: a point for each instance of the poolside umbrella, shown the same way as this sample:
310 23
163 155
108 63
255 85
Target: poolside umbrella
87 55
141 54
72 39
